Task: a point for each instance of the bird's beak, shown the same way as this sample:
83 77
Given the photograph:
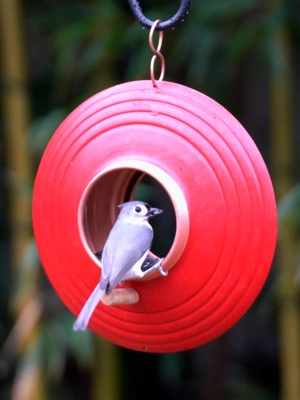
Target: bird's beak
154 211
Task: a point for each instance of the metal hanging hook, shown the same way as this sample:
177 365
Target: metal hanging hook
162 26
156 52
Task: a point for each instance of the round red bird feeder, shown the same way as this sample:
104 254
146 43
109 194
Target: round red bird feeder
222 196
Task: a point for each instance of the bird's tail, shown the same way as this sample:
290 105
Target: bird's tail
85 314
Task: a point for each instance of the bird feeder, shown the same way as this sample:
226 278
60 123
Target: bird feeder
222 196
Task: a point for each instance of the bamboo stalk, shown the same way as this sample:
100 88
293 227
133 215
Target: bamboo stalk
28 380
16 119
106 370
105 377
281 106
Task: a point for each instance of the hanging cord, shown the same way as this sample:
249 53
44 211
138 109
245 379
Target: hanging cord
161 26
156 52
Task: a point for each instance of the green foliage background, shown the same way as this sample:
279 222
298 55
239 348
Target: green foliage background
228 49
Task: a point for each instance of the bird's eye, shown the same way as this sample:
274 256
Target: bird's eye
138 209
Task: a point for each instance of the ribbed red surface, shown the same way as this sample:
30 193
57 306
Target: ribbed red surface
229 195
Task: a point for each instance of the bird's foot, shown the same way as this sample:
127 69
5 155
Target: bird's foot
162 272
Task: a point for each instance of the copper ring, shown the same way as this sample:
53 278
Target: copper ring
156 52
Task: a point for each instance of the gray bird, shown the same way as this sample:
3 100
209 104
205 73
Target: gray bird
123 255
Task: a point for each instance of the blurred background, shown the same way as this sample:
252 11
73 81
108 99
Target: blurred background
54 54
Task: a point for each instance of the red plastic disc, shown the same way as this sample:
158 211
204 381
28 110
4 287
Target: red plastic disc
228 193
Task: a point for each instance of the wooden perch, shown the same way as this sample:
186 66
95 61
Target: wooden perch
121 297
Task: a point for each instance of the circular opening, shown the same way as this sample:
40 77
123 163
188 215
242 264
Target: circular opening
125 181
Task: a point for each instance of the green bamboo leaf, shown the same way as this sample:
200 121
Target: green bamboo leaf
80 343
54 347
28 266
248 36
42 129
221 10
289 207
208 46
19 185
101 48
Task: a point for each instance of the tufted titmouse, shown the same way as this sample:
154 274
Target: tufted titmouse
123 255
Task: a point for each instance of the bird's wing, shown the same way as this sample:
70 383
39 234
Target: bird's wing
124 247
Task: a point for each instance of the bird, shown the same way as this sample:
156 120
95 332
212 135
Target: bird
123 255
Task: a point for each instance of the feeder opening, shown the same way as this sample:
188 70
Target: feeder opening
98 209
